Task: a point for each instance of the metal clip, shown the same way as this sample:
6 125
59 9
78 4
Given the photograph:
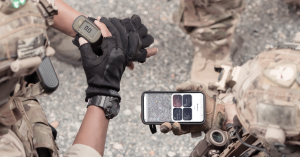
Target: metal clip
227 78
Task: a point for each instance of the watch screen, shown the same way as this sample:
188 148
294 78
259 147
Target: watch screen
88 29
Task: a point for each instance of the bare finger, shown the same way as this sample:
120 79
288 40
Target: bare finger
82 41
176 128
165 127
104 30
130 65
151 51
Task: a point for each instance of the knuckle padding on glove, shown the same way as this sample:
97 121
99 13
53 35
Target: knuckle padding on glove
116 22
113 31
137 21
147 41
143 31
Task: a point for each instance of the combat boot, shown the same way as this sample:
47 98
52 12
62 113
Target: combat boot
64 48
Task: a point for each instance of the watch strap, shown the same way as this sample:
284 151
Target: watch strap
98 100
110 105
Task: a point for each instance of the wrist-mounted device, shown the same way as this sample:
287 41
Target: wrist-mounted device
110 105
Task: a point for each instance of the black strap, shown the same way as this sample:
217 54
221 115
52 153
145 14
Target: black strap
152 129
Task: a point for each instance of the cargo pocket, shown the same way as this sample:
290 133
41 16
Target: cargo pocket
42 132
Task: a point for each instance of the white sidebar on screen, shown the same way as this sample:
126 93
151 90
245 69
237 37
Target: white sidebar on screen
145 107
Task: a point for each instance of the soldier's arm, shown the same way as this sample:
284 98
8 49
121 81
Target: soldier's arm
64 19
93 129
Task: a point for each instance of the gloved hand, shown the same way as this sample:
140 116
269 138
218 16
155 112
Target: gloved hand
134 29
135 39
215 112
104 66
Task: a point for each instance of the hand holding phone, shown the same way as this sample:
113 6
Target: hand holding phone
214 112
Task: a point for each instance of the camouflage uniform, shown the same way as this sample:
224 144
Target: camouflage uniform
23 43
210 24
24 129
266 96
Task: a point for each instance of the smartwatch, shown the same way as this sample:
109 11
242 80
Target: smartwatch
110 105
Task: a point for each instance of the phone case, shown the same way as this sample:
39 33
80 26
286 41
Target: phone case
159 123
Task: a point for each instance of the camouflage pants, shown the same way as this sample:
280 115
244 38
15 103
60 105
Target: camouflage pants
210 24
32 131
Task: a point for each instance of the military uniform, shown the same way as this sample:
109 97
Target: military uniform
266 96
24 129
23 44
210 24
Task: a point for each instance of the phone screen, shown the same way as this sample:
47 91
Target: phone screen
173 107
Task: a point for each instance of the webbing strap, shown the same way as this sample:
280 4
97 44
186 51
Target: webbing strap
153 129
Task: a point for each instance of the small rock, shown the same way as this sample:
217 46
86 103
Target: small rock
108 153
171 154
138 108
127 112
173 75
154 138
151 152
128 11
118 146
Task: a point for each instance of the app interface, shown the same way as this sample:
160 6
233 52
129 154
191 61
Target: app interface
170 107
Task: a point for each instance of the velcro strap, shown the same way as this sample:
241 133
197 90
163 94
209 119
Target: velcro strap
153 129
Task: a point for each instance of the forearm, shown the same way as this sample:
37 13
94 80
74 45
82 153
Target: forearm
93 129
64 19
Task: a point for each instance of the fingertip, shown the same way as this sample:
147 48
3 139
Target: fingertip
165 127
82 41
152 51
98 18
176 128
97 22
130 65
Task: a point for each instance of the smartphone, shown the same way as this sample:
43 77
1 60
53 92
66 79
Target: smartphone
168 106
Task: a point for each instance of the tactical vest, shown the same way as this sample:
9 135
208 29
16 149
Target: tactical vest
23 44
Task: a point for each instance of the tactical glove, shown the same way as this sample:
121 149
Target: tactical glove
134 29
104 64
104 69
215 112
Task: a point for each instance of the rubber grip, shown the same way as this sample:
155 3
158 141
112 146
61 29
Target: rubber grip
47 76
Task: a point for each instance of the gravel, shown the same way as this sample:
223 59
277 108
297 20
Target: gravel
263 25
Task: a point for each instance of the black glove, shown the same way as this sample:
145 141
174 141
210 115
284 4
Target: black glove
104 65
104 71
134 29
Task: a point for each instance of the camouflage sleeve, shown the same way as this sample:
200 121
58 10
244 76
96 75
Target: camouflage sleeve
79 150
11 146
48 10
210 25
